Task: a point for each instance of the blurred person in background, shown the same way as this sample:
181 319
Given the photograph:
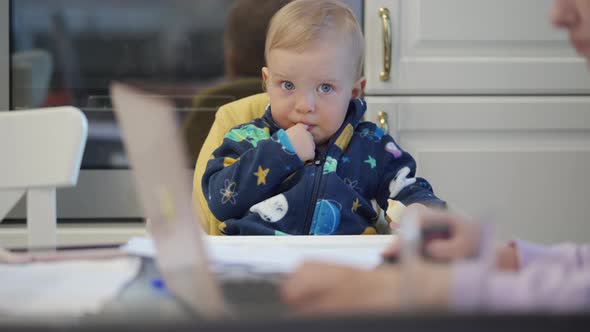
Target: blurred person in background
243 44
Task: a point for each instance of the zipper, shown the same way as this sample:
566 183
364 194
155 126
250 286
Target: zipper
319 169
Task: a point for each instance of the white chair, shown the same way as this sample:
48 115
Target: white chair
40 150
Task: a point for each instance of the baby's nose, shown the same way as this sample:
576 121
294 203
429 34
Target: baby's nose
305 103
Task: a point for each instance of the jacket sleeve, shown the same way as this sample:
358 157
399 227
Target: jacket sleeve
397 178
246 169
558 281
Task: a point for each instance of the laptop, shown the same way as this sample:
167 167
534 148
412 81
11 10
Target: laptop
152 140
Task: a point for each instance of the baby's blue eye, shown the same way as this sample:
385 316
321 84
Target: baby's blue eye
287 85
325 88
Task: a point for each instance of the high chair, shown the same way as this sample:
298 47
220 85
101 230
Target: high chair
228 116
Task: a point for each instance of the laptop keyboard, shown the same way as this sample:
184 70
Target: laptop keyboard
244 272
250 292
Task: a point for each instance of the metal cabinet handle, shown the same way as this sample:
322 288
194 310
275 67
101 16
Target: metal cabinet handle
386 23
382 121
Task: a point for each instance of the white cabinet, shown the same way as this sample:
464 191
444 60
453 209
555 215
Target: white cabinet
469 47
493 103
523 160
4 56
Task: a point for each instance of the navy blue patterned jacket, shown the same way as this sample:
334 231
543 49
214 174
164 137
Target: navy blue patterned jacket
256 184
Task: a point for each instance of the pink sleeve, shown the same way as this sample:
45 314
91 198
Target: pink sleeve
553 279
567 253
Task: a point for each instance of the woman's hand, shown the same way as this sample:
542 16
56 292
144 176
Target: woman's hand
322 288
464 240
507 257
329 289
462 243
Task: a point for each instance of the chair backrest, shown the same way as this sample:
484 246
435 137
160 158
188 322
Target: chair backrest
41 149
227 117
197 123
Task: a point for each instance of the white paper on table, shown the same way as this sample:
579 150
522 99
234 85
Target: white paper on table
287 259
66 288
140 246
276 258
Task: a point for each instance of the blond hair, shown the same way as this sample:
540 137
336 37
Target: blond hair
302 22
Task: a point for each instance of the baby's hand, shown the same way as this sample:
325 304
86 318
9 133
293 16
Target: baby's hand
302 141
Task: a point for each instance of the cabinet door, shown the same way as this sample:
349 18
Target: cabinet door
470 47
4 54
524 160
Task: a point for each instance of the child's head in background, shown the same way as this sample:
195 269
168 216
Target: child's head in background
314 58
245 34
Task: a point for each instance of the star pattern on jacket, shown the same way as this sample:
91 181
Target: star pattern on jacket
355 205
371 161
261 174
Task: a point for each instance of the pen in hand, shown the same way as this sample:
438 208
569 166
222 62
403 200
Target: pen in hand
428 234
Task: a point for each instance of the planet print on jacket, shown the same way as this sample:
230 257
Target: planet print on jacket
326 217
272 209
249 133
393 149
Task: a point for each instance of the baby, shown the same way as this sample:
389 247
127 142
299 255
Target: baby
310 165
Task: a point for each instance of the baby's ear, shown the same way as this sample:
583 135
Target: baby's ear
264 78
358 88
